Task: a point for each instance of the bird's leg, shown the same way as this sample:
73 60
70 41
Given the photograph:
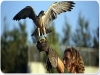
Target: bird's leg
44 31
39 34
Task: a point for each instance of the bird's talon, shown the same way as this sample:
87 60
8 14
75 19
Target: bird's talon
45 38
39 39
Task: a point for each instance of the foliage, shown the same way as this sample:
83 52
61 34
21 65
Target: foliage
96 39
82 36
53 39
14 55
67 33
96 45
54 35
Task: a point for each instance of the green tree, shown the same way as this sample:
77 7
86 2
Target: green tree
14 55
53 39
67 33
96 39
82 36
96 44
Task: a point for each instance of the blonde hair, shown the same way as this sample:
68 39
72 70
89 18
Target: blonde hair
77 61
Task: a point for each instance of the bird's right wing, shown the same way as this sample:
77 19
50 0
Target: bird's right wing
55 9
24 13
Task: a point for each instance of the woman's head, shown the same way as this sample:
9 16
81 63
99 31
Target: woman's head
73 61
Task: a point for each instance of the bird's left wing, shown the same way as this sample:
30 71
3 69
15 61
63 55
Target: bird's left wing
26 12
55 9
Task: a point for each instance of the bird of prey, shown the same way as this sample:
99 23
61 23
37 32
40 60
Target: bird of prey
43 20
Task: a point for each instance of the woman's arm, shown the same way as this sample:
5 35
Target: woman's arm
60 66
44 46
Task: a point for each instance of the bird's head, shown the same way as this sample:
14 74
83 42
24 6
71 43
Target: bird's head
41 13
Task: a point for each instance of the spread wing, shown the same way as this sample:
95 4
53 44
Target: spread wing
55 9
24 13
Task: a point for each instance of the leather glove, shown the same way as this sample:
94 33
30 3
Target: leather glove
52 55
42 45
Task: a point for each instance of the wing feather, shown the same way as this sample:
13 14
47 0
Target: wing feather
55 9
25 13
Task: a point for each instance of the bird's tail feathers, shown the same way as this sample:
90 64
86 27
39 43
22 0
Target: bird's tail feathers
35 33
48 31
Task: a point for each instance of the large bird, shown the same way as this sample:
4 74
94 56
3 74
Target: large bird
42 21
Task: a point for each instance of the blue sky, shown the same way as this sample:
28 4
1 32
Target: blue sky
89 9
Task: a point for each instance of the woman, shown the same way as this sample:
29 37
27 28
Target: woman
72 60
